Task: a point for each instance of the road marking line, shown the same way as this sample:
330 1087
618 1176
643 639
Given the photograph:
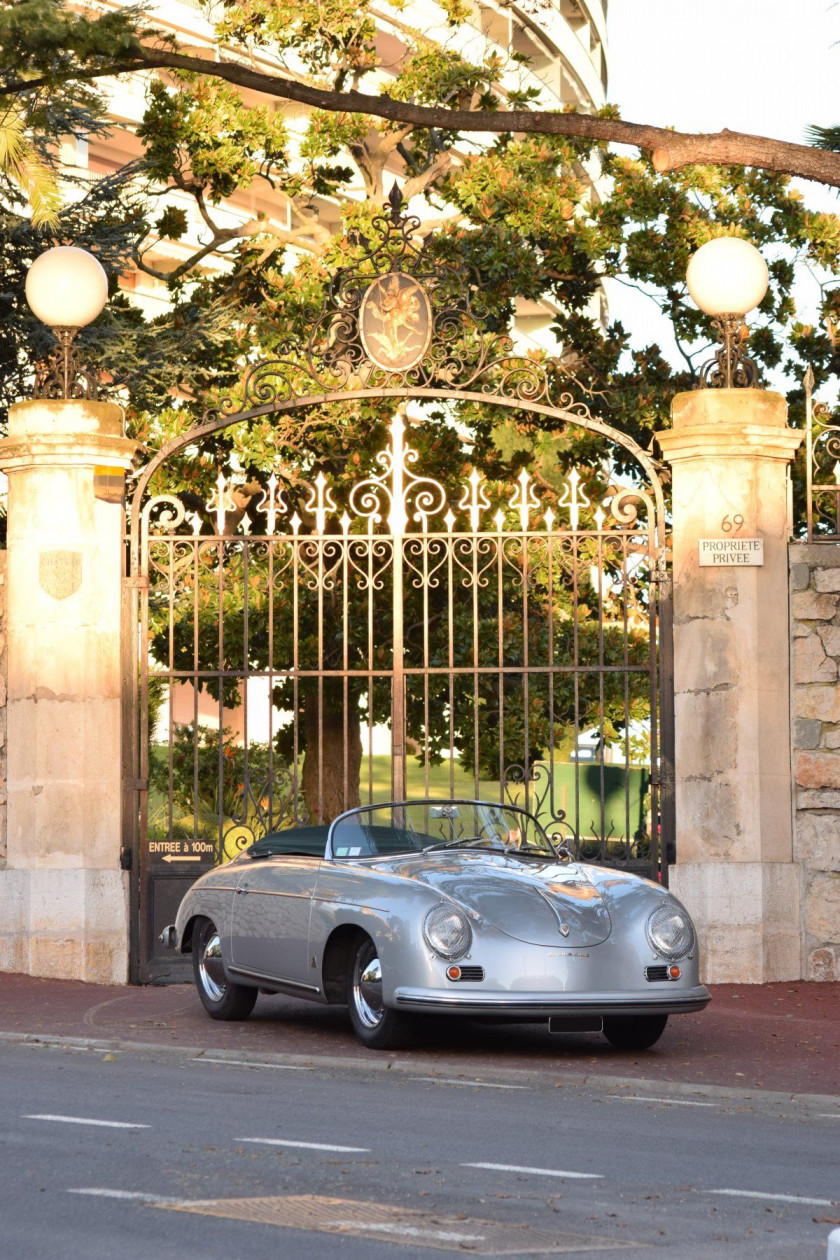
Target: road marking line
828 1115
668 1102
102 1193
538 1172
277 1067
307 1146
103 1124
407 1231
778 1198
454 1080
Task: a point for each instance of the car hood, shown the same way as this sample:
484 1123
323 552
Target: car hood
541 903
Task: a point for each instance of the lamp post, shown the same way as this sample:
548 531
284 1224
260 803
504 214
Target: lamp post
66 288
727 278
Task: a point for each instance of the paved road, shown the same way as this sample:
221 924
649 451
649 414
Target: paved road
227 1159
773 1036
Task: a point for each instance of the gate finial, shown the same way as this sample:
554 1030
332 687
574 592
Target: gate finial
395 203
320 503
524 499
221 502
474 500
271 503
574 497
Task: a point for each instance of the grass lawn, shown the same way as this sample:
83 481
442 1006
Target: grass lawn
577 792
376 770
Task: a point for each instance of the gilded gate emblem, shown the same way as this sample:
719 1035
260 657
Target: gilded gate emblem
395 322
60 573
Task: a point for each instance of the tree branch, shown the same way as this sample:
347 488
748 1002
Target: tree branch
670 149
223 236
419 183
198 194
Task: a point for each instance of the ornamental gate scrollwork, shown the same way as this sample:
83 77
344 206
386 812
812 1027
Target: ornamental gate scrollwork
402 637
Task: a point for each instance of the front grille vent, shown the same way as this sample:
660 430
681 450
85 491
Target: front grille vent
656 973
474 974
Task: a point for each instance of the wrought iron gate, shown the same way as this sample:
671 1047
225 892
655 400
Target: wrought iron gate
406 641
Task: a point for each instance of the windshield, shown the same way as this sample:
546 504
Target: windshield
423 826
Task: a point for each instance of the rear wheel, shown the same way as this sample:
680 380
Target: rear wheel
634 1032
220 998
373 1023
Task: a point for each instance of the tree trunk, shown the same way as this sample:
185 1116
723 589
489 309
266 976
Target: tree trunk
325 791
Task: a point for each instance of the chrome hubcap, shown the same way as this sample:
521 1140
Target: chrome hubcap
211 969
367 991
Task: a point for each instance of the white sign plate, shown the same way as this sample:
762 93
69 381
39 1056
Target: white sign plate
720 553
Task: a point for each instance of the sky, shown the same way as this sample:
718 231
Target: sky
769 67
763 66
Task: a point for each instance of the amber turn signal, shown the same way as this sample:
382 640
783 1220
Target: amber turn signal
454 973
674 972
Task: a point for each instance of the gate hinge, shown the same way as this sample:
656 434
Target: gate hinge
137 583
140 785
125 858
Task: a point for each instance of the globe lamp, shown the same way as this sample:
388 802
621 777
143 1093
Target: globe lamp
66 288
727 277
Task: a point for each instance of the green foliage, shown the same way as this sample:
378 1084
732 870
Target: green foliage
22 164
521 214
824 137
215 787
334 38
172 224
48 41
143 362
203 140
530 224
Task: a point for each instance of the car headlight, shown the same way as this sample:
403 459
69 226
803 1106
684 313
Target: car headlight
447 931
670 931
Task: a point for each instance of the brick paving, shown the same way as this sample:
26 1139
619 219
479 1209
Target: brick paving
783 1037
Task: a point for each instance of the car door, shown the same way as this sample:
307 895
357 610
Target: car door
270 918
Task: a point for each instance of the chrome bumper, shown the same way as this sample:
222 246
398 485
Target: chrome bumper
169 937
546 1005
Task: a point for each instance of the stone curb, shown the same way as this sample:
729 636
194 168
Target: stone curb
447 1069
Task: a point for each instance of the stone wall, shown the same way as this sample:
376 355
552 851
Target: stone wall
3 675
815 629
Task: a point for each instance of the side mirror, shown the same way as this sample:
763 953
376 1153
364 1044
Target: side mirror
560 847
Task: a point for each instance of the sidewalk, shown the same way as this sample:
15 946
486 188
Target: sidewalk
783 1037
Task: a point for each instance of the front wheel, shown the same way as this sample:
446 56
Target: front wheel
220 998
634 1032
374 1024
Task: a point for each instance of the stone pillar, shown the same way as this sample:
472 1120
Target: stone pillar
729 451
63 896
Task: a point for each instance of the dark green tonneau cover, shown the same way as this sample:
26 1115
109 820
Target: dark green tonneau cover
312 842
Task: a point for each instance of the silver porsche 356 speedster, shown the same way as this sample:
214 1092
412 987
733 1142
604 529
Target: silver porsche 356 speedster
440 908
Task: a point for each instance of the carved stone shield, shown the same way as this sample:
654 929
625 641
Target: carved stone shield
60 573
395 322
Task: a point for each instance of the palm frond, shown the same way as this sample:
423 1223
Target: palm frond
824 138
21 162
